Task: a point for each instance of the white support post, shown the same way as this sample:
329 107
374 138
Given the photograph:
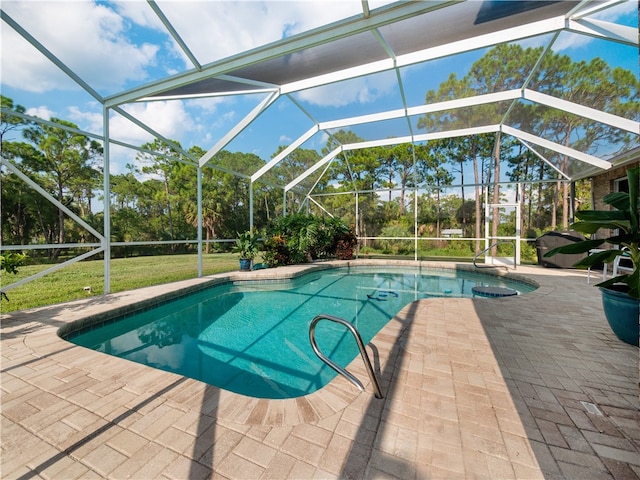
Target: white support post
199 186
106 240
487 214
520 187
357 225
251 205
415 204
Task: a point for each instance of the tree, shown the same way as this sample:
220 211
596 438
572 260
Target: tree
510 66
10 122
66 161
355 170
211 208
18 222
289 168
230 193
159 166
432 159
400 162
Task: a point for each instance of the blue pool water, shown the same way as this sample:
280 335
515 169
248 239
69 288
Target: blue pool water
253 338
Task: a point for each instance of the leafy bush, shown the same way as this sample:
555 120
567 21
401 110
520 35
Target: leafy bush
396 246
11 261
302 238
246 245
276 253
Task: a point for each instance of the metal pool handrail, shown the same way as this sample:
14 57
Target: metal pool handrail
495 244
338 368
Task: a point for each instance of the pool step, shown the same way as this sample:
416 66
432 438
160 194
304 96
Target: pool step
494 292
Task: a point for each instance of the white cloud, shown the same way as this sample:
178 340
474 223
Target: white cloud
89 38
41 112
208 105
140 13
358 90
26 69
86 120
170 119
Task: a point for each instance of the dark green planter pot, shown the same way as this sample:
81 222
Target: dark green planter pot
623 314
246 264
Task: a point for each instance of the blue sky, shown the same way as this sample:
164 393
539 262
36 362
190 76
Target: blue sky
115 46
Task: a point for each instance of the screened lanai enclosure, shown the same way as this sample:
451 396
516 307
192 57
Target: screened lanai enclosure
420 124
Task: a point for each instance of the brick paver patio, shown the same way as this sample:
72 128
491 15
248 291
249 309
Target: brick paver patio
527 387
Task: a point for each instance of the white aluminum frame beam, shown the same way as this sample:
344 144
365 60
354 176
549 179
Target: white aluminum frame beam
570 152
310 171
29 118
607 30
155 134
275 160
173 32
113 141
239 127
600 29
593 8
541 157
582 111
54 268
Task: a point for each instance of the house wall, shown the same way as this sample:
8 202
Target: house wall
602 184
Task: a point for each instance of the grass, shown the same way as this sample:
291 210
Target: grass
126 274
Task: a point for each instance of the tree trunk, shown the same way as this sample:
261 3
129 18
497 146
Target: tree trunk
496 193
463 222
438 215
478 194
565 206
539 207
166 192
56 251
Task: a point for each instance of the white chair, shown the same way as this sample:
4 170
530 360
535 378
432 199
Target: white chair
625 267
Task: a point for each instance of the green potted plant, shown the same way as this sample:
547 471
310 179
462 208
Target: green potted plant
246 247
621 294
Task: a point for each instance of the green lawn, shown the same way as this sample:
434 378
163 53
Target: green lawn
126 274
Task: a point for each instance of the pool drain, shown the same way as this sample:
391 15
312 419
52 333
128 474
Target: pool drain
591 408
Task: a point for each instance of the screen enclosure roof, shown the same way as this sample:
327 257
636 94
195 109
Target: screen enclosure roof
401 46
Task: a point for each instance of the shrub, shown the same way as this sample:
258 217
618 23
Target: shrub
276 253
303 238
11 261
396 246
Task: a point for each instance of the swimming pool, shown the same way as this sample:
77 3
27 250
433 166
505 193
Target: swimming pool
252 337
